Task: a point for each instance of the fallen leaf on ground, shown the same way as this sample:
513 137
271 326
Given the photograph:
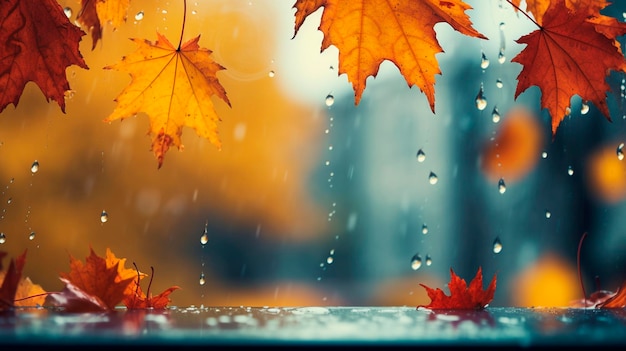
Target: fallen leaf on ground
173 86
604 299
369 32
10 281
140 300
461 296
37 43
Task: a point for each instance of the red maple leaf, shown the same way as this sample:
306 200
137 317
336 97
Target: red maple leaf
11 280
568 56
461 296
37 43
139 300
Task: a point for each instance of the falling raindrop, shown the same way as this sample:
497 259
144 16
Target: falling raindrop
34 167
421 156
31 236
139 16
481 101
484 61
9 200
330 100
330 259
202 280
544 154
104 216
3 238
501 186
194 12
424 229
205 237
416 262
432 178
620 152
497 246
429 260
499 83
501 56
584 108
548 214
68 11
271 74
495 115
570 170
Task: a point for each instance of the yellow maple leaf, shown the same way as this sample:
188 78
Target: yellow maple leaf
112 11
173 86
368 32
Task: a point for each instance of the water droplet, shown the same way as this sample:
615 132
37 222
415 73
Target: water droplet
584 108
3 238
502 25
570 170
548 214
620 152
194 12
429 260
104 216
330 100
139 16
68 11
544 154
416 262
421 156
495 115
484 61
501 56
164 11
31 236
330 259
9 200
202 280
499 83
34 167
497 246
204 238
424 229
271 74
481 101
501 186
432 178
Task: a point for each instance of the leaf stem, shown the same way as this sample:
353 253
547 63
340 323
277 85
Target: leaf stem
525 14
580 245
182 31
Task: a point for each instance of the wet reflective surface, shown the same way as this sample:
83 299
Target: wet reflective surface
309 326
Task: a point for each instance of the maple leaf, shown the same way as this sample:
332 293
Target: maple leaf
139 300
369 32
539 7
37 43
566 56
93 13
462 296
95 281
173 86
11 281
18 291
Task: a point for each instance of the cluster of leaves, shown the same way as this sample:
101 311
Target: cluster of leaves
98 284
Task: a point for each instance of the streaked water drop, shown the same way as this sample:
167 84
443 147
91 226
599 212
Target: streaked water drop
502 25
429 260
204 238
620 152
271 74
495 115
548 214
202 279
424 229
330 100
3 238
484 61
584 108
416 262
501 186
432 178
481 100
570 170
34 167
68 11
421 156
139 16
104 216
499 83
497 246
31 236
501 56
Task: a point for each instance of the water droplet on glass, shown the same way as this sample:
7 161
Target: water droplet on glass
9 200
421 156
34 167
502 25
68 12
204 238
497 246
484 61
499 83
501 186
620 152
424 229
330 100
481 101
104 216
544 154
570 170
271 74
501 56
495 115
164 12
31 236
330 259
3 238
139 16
432 178
584 108
202 280
416 262
548 214
429 260
194 12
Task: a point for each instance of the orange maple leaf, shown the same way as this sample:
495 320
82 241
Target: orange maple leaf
566 56
93 13
140 300
37 43
539 7
98 281
369 32
10 280
174 87
462 296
